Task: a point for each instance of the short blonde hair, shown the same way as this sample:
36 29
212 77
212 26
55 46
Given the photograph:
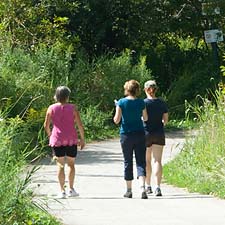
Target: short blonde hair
132 87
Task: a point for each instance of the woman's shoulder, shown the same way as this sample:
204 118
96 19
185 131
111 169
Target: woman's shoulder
58 105
154 100
54 105
71 106
121 100
161 100
139 101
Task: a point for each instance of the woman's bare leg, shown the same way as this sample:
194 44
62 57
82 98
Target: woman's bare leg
148 165
157 151
61 172
71 175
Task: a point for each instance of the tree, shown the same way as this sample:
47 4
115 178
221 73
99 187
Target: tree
28 23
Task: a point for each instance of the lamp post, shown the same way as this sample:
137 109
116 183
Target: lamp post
213 35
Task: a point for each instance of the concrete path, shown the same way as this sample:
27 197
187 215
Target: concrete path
99 180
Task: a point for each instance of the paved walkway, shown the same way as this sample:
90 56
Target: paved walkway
99 180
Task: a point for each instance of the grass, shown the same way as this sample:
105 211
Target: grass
180 124
200 165
17 205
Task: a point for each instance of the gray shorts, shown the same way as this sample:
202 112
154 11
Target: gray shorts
154 139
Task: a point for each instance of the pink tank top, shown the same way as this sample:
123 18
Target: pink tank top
63 131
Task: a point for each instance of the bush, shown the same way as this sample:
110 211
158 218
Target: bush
100 82
195 80
16 199
30 79
98 125
200 166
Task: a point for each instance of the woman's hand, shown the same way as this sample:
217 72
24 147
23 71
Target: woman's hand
81 143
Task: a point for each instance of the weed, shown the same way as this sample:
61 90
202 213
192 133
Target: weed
200 165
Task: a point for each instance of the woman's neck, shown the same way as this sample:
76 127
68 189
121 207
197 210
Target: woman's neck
131 97
151 96
62 103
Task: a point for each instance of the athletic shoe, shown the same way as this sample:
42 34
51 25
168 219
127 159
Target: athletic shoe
149 190
158 192
128 194
73 193
144 195
62 194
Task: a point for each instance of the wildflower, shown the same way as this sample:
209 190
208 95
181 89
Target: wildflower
60 165
55 158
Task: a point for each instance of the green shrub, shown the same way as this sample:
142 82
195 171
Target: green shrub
16 199
100 82
200 166
98 125
29 81
195 80
30 78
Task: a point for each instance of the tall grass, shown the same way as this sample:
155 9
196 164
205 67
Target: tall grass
17 206
29 80
200 166
102 80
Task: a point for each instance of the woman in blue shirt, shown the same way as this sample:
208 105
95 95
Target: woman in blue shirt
131 112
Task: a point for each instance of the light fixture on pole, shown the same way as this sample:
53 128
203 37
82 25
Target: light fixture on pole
212 34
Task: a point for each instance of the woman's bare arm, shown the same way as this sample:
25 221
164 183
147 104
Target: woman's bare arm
80 126
48 122
145 114
165 118
118 115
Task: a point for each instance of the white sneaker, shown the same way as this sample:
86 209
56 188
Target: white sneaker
73 193
62 194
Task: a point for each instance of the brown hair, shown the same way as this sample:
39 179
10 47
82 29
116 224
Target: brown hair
132 87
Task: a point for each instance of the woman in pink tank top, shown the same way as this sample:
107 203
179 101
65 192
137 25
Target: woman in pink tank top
63 137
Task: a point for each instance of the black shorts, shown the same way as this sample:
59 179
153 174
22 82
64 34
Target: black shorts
154 139
62 151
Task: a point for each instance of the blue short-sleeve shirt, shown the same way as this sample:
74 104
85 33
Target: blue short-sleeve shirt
131 115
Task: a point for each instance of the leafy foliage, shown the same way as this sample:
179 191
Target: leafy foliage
93 47
29 23
197 80
17 204
30 89
100 26
100 82
151 28
200 166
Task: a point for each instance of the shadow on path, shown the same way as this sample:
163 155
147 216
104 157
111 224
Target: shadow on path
87 156
99 180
